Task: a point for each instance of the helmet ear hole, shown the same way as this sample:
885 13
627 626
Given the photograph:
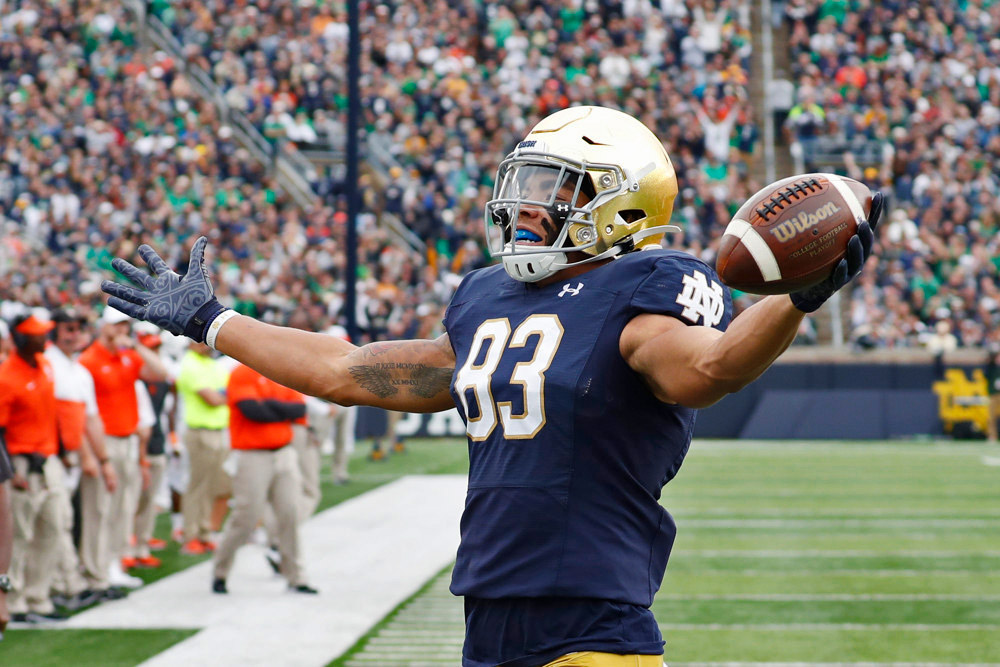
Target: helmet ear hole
632 215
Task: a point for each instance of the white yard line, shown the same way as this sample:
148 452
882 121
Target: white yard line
365 555
879 574
832 597
734 513
834 664
825 553
841 523
873 627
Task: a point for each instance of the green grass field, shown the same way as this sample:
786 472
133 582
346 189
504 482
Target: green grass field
805 552
107 648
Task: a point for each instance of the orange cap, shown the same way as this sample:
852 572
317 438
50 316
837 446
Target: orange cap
33 326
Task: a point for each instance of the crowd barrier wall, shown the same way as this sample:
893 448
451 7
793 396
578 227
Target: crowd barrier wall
802 401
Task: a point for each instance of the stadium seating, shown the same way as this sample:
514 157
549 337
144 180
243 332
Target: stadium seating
105 147
907 99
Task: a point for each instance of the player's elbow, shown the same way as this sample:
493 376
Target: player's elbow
333 387
713 384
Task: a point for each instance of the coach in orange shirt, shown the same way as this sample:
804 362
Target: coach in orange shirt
28 422
261 413
115 361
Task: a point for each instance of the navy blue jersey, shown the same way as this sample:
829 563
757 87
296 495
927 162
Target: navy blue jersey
568 448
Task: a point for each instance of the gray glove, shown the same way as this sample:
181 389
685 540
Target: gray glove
179 304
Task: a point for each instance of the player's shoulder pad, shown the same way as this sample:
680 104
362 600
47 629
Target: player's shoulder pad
480 282
680 285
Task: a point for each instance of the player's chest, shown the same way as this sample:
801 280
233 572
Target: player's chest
521 359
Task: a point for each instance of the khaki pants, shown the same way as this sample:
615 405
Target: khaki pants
37 528
307 454
124 455
343 441
145 513
207 450
339 429
67 578
994 411
264 477
95 531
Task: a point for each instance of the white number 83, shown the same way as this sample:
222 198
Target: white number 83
495 336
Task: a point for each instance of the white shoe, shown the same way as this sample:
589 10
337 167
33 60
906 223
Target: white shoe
118 577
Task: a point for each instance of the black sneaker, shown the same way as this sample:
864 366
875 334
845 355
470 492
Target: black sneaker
219 586
60 600
273 558
77 602
306 589
34 617
113 593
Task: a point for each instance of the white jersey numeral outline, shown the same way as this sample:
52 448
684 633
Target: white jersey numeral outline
489 343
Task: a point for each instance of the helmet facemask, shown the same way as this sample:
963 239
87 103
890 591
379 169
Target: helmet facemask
598 175
535 246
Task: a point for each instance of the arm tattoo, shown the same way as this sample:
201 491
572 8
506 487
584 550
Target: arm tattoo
375 379
383 378
429 382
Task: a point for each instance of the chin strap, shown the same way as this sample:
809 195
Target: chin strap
625 245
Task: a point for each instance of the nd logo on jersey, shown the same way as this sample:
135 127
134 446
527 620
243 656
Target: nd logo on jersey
701 300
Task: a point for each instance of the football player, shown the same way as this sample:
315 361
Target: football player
578 364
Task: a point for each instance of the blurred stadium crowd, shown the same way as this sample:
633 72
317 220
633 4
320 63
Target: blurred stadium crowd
917 87
103 147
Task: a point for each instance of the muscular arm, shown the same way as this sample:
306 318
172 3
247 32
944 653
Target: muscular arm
409 376
697 366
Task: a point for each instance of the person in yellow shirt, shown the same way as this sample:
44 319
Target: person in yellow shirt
201 385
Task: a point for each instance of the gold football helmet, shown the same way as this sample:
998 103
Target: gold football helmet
602 177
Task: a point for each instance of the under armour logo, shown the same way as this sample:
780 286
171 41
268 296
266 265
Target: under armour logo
572 291
562 207
701 300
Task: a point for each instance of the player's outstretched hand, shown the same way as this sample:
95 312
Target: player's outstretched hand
179 304
858 250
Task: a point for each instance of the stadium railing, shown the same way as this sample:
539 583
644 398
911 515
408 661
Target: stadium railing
293 172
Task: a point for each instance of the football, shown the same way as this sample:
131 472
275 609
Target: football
791 234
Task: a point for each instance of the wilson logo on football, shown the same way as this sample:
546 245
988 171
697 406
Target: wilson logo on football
803 221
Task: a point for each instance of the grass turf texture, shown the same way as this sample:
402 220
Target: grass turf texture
804 552
37 647
104 648
818 552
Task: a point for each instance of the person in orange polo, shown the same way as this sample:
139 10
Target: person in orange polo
261 413
116 361
28 423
